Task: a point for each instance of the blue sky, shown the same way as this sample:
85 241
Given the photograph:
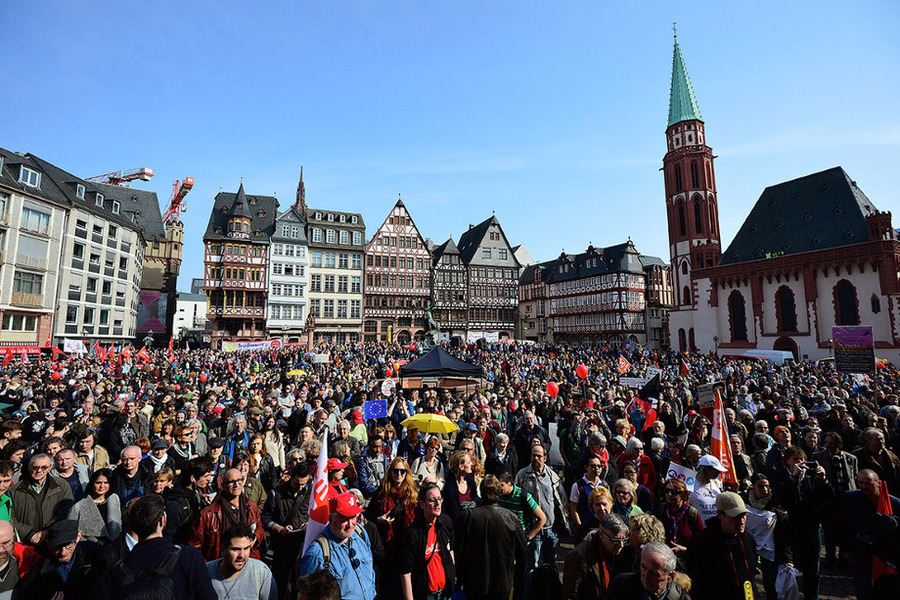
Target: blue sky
551 114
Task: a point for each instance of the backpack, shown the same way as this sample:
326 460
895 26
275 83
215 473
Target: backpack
153 584
322 541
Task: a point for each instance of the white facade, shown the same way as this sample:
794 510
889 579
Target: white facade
190 313
288 277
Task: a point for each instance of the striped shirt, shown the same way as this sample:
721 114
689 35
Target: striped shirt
521 503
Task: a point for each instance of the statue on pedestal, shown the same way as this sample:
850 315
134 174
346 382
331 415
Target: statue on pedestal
432 332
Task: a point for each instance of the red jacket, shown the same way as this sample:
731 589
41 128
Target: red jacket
208 529
26 556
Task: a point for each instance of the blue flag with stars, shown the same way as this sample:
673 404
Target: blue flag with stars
375 409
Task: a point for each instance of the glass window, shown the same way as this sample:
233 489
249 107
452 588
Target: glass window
315 259
357 237
35 221
329 236
29 177
345 237
28 283
357 261
317 234
329 260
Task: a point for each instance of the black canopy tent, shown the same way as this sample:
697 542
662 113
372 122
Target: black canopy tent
440 363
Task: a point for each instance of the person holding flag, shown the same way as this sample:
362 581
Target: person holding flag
335 541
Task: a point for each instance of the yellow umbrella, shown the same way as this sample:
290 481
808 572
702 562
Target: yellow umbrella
430 423
296 373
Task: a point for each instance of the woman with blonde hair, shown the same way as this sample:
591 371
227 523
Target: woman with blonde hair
623 494
460 489
600 501
261 464
393 510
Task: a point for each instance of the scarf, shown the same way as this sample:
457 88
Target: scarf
674 520
230 516
603 455
158 463
403 514
761 503
183 452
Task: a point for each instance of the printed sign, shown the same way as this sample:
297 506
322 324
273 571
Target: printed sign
706 394
251 346
652 372
633 382
321 358
854 349
76 346
388 386
688 476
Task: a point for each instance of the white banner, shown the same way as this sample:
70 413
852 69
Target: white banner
76 346
652 372
492 337
688 476
245 346
444 336
633 382
761 524
473 336
321 358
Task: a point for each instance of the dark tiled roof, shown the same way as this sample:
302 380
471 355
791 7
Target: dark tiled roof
470 241
652 261
239 207
815 212
262 211
59 186
621 258
531 272
448 247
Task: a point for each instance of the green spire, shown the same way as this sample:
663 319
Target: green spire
682 103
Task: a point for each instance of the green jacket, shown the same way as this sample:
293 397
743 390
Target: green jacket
31 511
5 508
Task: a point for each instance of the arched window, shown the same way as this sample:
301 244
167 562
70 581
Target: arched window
786 309
737 316
876 304
712 215
682 341
708 175
698 217
691 344
686 295
682 222
679 184
684 268
846 306
695 175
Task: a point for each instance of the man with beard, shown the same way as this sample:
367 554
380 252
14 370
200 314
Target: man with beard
230 508
236 575
285 516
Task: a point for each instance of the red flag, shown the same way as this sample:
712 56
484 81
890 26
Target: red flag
649 412
49 341
25 360
719 442
884 507
7 358
112 354
126 353
685 368
103 354
624 365
142 354
318 501
95 349
171 351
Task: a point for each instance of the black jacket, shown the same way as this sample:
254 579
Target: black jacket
285 507
44 581
490 547
183 507
713 559
412 556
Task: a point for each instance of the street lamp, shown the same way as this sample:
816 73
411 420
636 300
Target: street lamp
830 343
716 343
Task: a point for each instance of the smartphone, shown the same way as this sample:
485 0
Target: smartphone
811 464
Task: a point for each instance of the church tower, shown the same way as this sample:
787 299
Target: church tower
691 202
300 204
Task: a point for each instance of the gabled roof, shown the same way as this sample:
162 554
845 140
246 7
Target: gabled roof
399 204
621 258
652 261
682 103
537 272
448 247
473 237
138 209
262 211
292 216
815 212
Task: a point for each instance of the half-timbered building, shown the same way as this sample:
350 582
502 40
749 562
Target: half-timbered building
449 290
493 278
397 279
236 254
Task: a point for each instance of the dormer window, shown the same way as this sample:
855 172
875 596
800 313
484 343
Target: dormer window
343 218
330 218
318 216
354 219
115 207
29 177
98 200
79 190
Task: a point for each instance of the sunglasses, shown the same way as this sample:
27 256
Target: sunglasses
399 471
354 562
616 540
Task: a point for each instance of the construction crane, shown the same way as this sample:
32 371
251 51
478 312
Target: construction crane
120 177
180 189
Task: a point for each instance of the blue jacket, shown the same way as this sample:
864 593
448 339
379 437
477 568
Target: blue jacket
367 481
357 583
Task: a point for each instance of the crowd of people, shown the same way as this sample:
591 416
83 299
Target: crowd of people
191 475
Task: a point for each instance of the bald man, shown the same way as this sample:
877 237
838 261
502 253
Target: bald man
9 566
232 506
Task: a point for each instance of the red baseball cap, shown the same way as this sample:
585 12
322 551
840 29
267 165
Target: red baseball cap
345 504
336 465
357 417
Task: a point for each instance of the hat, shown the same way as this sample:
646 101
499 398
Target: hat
357 417
731 504
345 505
255 412
159 444
621 440
708 460
335 464
692 412
471 426
215 442
62 533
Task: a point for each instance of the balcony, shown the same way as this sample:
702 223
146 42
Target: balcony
23 299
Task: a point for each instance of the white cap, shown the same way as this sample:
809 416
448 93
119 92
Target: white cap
708 460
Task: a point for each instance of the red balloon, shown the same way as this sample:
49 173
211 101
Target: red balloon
177 387
582 372
389 372
552 389
55 376
202 377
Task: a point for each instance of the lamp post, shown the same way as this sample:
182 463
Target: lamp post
830 343
716 343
